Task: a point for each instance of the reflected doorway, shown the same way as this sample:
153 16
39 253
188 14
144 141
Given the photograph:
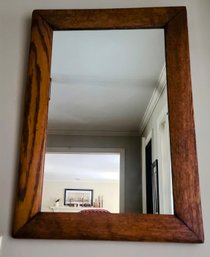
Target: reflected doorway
79 179
149 177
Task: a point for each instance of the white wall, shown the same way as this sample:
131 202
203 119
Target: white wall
53 190
14 29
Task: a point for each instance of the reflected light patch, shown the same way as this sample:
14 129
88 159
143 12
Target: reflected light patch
1 239
82 166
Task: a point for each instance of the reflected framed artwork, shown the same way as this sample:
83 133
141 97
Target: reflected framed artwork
78 197
155 192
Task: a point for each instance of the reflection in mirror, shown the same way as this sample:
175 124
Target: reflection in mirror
108 133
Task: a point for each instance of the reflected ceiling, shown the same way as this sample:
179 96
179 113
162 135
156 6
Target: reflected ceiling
82 166
103 80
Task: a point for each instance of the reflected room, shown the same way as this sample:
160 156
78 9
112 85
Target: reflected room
108 140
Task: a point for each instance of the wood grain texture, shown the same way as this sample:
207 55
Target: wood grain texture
135 227
186 224
29 189
182 129
109 18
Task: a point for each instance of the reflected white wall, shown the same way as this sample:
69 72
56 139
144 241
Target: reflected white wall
53 190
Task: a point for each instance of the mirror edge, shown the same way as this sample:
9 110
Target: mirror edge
186 225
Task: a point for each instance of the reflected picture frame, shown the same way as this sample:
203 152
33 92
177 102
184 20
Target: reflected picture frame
78 197
155 188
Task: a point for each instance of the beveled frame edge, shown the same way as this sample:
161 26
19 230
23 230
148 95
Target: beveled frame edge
186 224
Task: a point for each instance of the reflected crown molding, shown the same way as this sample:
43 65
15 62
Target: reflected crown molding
161 84
149 110
92 81
63 132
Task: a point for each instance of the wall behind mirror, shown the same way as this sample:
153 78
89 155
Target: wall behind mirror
108 133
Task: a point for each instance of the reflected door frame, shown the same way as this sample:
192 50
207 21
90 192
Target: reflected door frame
145 141
120 151
164 157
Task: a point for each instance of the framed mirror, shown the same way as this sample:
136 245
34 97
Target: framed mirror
113 72
108 93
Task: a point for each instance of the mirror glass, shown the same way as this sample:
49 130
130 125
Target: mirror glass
108 137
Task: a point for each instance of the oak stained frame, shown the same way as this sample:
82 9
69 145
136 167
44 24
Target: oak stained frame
186 224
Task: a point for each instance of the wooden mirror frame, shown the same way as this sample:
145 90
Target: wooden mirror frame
186 224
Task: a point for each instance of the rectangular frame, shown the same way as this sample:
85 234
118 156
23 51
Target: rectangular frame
85 201
155 188
186 223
